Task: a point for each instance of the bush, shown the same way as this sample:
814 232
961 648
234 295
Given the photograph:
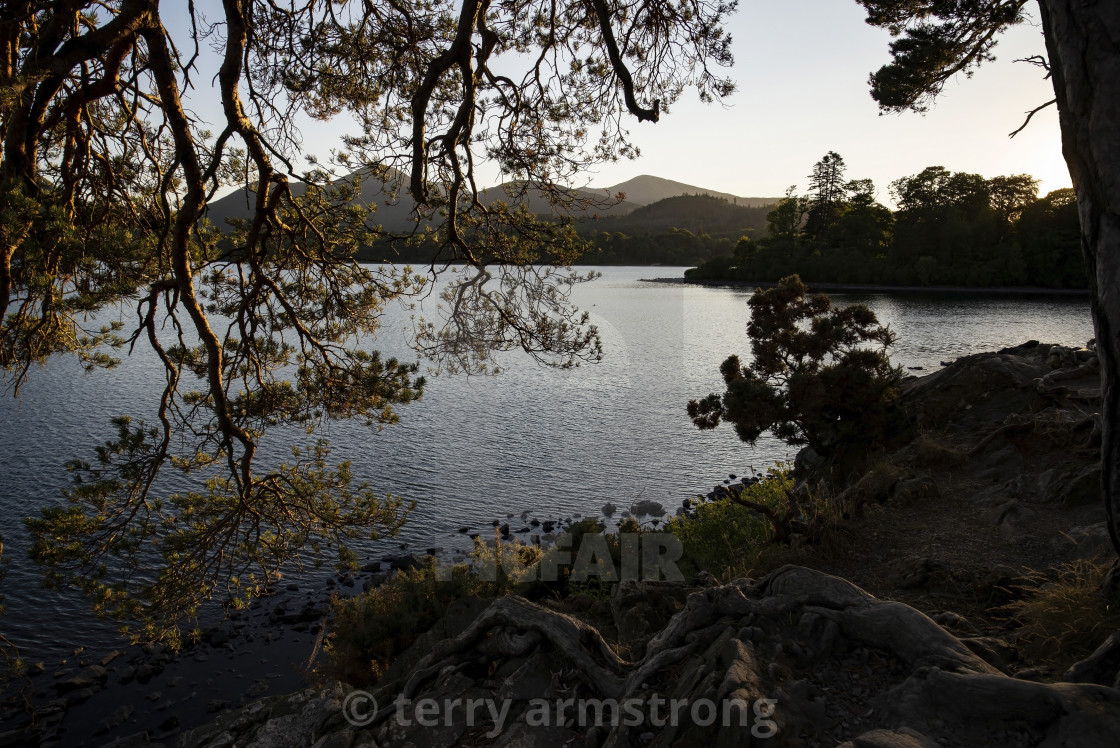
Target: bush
813 378
372 629
722 535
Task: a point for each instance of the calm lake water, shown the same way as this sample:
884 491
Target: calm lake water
555 443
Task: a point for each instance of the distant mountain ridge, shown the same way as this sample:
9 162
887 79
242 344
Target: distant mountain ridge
395 213
647 189
698 213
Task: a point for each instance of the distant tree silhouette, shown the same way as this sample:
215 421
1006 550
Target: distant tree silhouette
826 195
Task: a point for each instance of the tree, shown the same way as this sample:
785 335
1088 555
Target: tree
1049 235
1009 195
787 218
826 195
105 178
812 378
936 39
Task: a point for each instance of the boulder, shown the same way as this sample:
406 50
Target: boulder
92 677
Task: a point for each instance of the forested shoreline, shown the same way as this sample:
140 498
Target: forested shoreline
950 229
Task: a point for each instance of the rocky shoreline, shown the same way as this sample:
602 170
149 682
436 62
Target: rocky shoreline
141 695
885 644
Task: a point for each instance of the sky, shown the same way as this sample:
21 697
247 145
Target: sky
801 67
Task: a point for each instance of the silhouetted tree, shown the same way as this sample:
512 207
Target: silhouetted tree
813 377
826 195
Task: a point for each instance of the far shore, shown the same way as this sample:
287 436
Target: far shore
862 288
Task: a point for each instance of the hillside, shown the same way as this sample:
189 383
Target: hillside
695 213
586 203
646 189
394 212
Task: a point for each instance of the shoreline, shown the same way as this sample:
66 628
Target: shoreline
147 694
873 288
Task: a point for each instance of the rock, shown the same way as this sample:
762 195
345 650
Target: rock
1086 542
147 671
647 508
407 563
522 735
901 738
1101 667
220 634
1084 488
914 573
609 509
372 567
10 738
136 740
93 677
118 717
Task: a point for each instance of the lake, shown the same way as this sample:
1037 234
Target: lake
555 443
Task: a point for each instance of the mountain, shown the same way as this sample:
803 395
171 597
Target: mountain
646 189
588 203
696 213
395 212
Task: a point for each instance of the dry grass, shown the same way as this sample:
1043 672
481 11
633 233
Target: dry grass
1065 617
929 452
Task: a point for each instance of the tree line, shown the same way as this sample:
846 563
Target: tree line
949 229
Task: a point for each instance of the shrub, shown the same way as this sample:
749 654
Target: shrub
723 533
372 629
819 376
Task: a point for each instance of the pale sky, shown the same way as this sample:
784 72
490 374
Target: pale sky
801 67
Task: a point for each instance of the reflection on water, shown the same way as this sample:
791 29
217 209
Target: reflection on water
555 443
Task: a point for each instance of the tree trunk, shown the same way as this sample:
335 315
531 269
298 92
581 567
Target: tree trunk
1083 43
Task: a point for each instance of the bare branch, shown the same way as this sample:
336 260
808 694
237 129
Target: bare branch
1030 114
